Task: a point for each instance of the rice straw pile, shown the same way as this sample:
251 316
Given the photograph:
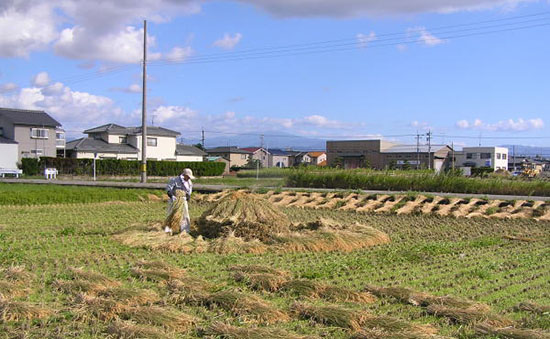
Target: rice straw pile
173 220
246 216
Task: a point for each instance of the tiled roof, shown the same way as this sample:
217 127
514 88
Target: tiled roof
117 129
28 117
189 150
315 154
7 141
227 149
278 152
94 145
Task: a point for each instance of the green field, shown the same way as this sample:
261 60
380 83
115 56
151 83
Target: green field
463 258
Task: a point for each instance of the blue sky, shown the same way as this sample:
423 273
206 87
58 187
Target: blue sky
79 61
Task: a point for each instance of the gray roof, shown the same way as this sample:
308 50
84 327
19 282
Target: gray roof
28 117
278 152
117 129
189 150
413 149
227 149
111 128
94 145
4 140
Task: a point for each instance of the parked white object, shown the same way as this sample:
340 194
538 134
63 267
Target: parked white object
16 172
50 173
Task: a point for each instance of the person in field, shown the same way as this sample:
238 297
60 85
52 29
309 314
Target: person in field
184 183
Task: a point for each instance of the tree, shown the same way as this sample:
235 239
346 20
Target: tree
199 146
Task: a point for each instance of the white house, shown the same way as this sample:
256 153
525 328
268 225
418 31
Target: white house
112 141
9 153
315 158
494 157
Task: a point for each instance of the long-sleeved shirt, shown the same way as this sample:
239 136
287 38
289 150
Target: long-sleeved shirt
178 183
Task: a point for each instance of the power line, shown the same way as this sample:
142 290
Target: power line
329 46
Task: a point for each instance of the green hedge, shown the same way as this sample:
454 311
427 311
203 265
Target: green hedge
423 183
72 166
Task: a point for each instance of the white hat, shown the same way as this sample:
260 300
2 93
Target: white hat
189 173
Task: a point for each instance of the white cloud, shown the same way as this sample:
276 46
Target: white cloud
353 8
25 27
124 46
228 41
133 88
41 79
8 87
91 30
364 39
173 114
423 125
425 37
179 53
75 110
518 125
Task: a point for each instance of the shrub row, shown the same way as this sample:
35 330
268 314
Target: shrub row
423 183
72 166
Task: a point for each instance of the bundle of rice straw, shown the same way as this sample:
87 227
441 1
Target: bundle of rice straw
244 215
174 218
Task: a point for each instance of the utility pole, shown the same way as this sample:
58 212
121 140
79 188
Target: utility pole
144 109
417 150
514 157
202 139
453 148
429 138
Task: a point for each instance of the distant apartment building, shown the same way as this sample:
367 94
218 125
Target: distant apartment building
36 133
380 154
493 157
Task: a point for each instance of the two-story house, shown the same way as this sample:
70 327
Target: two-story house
35 132
235 155
260 154
112 141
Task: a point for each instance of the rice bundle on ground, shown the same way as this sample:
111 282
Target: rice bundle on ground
247 306
510 332
158 316
156 240
130 296
173 220
409 296
157 271
312 289
94 277
246 215
89 308
18 310
130 330
468 316
233 332
17 273
10 289
188 290
357 320
532 307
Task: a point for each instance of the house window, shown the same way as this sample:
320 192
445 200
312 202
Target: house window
124 140
152 142
498 155
469 155
60 136
504 156
37 152
485 155
243 156
1 131
39 133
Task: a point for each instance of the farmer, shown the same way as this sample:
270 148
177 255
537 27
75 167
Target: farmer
182 182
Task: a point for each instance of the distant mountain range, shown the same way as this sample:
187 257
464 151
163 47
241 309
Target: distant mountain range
529 151
289 141
281 141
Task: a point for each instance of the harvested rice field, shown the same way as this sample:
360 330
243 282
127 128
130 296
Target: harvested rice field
105 269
